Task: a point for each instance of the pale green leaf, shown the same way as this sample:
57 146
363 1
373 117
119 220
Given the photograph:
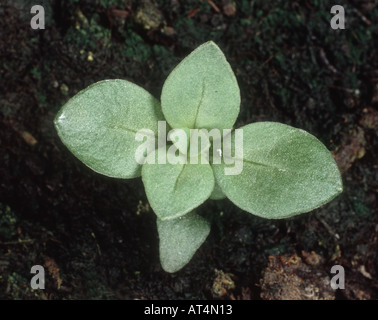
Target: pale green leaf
179 239
98 125
202 91
286 171
175 189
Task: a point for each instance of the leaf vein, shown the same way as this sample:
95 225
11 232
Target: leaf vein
178 177
200 102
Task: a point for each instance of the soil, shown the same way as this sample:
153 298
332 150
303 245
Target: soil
96 236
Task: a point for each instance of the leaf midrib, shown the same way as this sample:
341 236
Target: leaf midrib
133 131
199 104
178 177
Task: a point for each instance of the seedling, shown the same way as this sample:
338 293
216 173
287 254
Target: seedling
115 127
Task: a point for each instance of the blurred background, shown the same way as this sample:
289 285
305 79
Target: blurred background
96 236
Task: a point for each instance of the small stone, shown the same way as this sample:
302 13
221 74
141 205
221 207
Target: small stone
168 31
229 9
90 56
222 283
149 16
29 139
64 89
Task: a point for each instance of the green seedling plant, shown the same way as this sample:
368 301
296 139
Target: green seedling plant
120 130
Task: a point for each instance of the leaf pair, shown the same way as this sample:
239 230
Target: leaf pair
285 171
200 93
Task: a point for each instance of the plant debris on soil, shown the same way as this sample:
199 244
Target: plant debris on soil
96 236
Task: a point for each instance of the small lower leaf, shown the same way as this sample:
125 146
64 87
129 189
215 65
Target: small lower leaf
179 240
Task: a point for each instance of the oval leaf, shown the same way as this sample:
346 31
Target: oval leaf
202 91
179 239
98 125
286 171
175 189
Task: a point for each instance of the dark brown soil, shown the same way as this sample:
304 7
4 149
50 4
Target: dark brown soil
96 236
